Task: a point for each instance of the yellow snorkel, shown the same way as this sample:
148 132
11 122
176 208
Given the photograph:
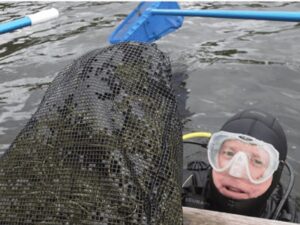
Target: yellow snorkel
196 135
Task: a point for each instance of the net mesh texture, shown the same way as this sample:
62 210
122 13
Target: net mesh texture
103 147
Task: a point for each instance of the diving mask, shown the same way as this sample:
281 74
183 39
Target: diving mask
242 156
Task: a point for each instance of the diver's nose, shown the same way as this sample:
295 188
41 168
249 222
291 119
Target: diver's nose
238 165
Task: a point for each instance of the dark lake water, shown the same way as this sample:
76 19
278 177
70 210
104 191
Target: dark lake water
230 64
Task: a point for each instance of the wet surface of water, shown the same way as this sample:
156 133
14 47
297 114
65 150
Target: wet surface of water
231 64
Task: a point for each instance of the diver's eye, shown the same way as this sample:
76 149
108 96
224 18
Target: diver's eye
257 162
228 153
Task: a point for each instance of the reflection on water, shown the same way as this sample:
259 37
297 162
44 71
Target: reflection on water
17 102
231 64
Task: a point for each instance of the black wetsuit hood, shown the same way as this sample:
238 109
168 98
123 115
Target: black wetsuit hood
262 126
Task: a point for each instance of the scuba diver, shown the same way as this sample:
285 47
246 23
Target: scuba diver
246 159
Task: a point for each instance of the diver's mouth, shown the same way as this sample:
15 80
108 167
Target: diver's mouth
234 189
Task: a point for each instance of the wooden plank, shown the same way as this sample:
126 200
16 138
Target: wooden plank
192 216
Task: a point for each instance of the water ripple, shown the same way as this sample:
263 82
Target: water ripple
231 64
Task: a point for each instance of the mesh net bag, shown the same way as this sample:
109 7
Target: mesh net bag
104 146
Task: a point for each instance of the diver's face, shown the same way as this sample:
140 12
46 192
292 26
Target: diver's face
240 187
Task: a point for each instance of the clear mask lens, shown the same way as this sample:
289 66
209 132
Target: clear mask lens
242 156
